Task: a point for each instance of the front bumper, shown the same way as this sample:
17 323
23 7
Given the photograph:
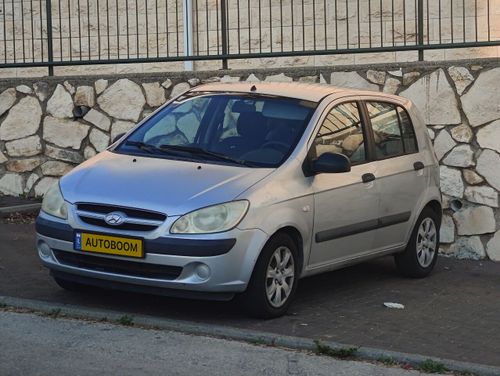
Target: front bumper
226 260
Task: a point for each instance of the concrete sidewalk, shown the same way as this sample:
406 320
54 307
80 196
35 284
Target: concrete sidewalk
43 346
453 314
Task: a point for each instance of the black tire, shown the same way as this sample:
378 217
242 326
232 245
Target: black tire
254 299
407 262
70 285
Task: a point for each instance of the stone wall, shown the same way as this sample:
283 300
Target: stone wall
40 139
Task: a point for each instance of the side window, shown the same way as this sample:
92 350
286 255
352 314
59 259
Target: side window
386 129
409 139
342 132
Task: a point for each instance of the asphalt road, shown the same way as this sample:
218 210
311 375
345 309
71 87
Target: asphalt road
43 346
452 314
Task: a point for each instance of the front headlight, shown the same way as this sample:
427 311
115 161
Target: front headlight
217 218
53 202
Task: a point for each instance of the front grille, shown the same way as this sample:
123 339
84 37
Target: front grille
135 219
115 266
125 226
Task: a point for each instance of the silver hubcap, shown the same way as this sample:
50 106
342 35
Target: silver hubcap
280 276
426 242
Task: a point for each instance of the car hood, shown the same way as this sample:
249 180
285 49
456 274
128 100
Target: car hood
169 186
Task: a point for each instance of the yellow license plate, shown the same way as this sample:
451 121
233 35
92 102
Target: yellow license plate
111 245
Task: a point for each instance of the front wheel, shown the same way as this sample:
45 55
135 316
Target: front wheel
274 279
420 255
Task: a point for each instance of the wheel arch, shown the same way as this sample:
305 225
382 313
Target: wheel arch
298 239
436 207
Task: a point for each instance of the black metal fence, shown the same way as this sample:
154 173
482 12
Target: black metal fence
71 32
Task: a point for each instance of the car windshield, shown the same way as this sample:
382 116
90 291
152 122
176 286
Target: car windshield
241 129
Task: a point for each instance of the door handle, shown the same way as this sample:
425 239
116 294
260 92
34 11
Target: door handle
418 166
368 178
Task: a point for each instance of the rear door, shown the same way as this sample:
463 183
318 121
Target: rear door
400 171
345 204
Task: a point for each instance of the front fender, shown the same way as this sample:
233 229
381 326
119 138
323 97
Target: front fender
297 213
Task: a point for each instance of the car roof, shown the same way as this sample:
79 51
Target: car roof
298 90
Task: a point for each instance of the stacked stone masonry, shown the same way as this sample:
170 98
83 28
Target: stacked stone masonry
41 139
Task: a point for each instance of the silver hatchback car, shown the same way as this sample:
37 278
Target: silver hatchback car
242 189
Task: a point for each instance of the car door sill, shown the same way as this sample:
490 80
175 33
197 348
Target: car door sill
347 261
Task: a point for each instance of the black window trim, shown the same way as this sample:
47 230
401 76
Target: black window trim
373 156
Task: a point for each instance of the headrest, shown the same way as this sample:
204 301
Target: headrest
252 125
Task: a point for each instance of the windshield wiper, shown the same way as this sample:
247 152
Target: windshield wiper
151 149
207 153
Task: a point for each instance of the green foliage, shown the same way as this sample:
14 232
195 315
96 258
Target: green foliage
126 320
322 349
430 366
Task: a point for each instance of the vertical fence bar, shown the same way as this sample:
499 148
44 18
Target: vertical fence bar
249 27
475 19
281 23
463 20
404 22
370 23
420 15
22 32
451 19
207 24
88 29
69 27
293 25
239 29
59 15
270 26
324 24
14 31
217 27
41 27
127 28
428 23
488 15
314 23
5 32
50 51
223 25
381 25
32 33
98 31
439 18
347 21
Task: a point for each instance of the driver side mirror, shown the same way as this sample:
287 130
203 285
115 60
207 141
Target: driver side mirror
330 163
117 137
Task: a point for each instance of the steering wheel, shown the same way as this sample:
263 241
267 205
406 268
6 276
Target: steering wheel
280 146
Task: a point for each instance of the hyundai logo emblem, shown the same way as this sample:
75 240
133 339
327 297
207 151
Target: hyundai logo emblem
115 218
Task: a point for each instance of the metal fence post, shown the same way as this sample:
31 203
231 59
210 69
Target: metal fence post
50 49
224 40
420 15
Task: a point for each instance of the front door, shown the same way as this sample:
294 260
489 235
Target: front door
345 204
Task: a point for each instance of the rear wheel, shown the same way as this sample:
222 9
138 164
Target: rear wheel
420 255
274 279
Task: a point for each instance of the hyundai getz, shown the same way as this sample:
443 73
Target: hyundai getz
243 189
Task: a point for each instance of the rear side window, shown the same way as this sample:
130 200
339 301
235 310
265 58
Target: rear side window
342 132
392 130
